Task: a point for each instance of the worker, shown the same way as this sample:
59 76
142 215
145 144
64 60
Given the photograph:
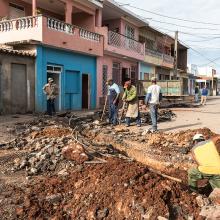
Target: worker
130 97
206 155
51 91
153 99
204 95
196 94
113 97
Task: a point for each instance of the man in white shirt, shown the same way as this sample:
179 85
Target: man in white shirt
153 98
113 97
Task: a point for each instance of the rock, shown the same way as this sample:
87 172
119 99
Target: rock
34 128
96 122
215 196
101 214
54 198
161 218
33 171
199 200
75 152
63 172
210 212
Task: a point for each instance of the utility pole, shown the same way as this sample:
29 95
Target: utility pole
175 56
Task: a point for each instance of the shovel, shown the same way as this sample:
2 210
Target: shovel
104 109
122 112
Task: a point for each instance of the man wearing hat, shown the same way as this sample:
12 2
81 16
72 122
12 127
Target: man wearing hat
153 98
113 98
130 96
206 155
51 91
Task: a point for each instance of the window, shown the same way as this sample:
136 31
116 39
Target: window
146 76
116 72
129 32
54 69
104 79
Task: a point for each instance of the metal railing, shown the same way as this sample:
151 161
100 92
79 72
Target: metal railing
121 41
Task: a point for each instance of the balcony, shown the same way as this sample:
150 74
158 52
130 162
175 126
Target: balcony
117 44
158 59
168 61
52 32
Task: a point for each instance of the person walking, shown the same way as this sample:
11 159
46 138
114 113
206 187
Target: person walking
153 98
113 98
196 94
204 95
130 96
206 155
51 91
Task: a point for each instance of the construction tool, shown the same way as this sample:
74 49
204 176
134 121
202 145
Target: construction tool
122 112
104 109
166 176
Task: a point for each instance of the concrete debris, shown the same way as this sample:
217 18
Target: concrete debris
215 196
210 212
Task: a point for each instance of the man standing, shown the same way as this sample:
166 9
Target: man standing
51 91
204 95
130 96
206 155
113 97
196 94
153 98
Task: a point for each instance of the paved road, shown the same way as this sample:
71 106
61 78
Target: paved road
191 118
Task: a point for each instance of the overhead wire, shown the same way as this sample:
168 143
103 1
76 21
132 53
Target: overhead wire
170 17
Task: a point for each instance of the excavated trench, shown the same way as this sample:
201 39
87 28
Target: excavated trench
113 182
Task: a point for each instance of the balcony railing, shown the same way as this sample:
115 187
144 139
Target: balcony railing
19 24
123 42
71 29
168 59
60 26
153 53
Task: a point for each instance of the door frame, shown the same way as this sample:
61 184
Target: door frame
60 82
89 89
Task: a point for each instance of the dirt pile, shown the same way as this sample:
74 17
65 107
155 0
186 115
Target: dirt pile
115 190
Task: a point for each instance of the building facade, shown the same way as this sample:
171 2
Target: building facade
83 43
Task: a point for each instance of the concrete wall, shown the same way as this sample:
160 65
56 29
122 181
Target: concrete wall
6 61
145 68
70 62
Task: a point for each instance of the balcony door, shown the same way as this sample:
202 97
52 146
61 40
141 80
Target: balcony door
16 11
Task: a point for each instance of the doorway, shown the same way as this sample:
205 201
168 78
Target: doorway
124 74
54 72
85 91
18 88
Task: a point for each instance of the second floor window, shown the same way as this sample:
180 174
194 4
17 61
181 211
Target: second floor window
129 32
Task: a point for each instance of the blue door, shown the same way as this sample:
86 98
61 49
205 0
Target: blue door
72 100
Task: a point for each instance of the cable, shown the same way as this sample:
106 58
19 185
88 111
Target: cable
193 28
166 16
211 61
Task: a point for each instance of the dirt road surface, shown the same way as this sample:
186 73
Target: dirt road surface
193 118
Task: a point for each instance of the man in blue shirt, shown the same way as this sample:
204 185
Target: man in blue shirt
113 98
204 95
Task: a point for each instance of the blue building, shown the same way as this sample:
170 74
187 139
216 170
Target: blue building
75 75
146 71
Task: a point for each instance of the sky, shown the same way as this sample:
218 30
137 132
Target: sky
204 39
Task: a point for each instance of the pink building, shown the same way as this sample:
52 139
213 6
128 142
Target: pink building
122 49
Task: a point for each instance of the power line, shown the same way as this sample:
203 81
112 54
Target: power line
193 28
196 51
166 16
200 35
